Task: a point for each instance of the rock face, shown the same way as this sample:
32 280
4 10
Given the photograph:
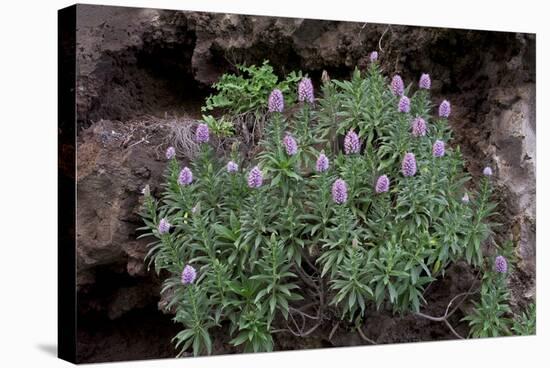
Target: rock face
136 62
130 62
110 179
115 289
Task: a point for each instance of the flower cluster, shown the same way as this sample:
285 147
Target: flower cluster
397 86
418 127
501 265
185 177
445 109
170 153
425 82
322 163
404 104
438 149
164 226
276 102
305 91
382 184
373 56
232 167
255 178
351 143
408 166
291 147
339 191
202 135
188 275
487 171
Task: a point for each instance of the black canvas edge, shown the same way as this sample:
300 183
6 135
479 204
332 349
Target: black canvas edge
66 185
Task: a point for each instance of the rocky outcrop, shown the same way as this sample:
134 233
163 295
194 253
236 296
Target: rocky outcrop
110 178
131 62
513 149
136 62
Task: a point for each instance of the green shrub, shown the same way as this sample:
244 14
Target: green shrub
489 317
220 127
295 246
248 91
525 323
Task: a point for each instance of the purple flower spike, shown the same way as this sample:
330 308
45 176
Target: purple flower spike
438 149
487 171
322 163
305 91
408 167
419 127
291 147
445 109
186 176
404 104
188 275
382 184
501 265
397 86
351 143
202 135
232 167
466 198
255 178
425 82
339 191
164 226
276 102
170 153
373 56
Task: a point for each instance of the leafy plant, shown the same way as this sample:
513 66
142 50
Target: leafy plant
220 127
525 323
344 209
489 317
277 289
352 283
248 90
197 321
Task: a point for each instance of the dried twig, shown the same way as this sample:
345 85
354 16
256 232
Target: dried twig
143 139
364 337
311 330
453 330
310 264
445 317
303 314
297 331
359 34
306 306
381 37
293 321
333 330
306 278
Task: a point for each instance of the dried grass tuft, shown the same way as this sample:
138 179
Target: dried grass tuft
181 134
